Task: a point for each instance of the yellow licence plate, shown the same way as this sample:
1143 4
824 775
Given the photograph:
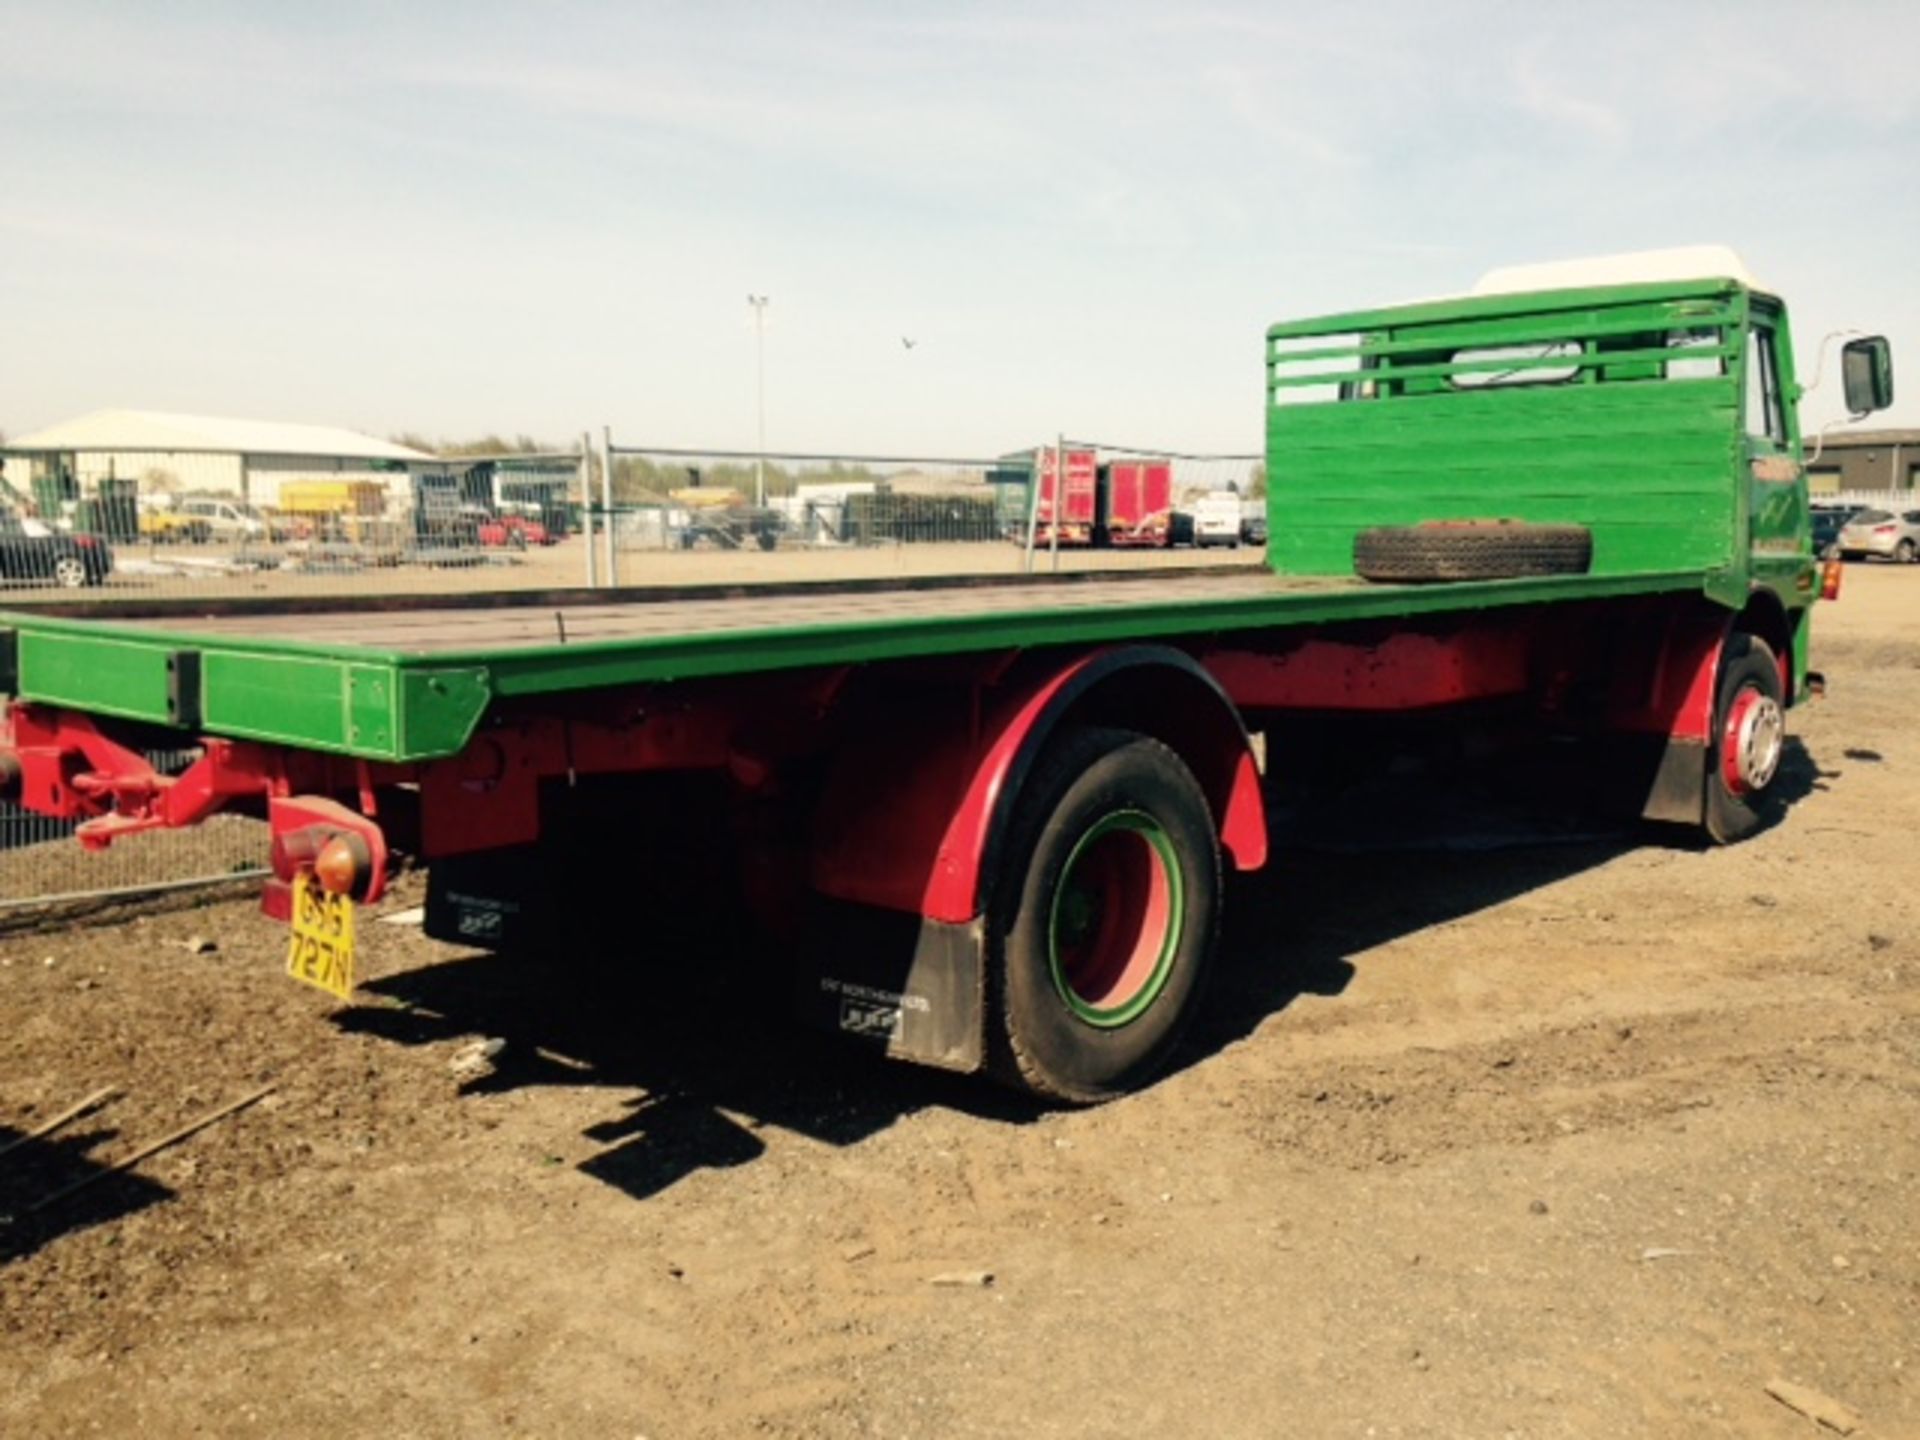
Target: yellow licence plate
320 950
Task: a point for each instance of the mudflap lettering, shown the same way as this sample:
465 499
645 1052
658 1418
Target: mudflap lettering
481 919
913 986
491 900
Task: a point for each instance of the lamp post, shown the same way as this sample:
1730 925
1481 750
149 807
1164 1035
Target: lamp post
759 304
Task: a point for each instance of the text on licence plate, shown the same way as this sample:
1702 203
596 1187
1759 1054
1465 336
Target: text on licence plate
320 950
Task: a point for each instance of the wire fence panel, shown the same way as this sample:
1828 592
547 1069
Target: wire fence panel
127 525
686 516
41 862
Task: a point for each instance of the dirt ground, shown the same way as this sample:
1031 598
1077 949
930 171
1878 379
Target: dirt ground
1562 1134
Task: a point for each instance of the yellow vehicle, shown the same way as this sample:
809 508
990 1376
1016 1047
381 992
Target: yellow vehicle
353 510
169 526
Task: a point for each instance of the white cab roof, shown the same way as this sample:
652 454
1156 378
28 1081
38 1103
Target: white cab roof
1640 267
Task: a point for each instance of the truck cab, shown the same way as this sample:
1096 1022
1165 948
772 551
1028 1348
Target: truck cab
1648 402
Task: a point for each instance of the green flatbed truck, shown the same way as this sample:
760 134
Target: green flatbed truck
983 823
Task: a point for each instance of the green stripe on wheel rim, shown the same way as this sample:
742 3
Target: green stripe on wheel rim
1117 914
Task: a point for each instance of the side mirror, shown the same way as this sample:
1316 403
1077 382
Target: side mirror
1866 374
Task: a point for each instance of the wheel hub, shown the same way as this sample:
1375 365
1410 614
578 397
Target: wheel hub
1751 743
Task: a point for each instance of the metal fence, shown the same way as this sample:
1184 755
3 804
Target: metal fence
120 524
127 525
1895 500
665 515
131 525
42 864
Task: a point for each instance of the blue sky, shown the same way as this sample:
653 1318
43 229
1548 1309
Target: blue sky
471 217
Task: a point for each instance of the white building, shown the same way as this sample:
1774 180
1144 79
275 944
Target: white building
202 454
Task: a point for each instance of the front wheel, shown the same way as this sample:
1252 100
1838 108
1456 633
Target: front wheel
1749 737
1103 917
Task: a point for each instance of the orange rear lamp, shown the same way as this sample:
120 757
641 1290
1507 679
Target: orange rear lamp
342 864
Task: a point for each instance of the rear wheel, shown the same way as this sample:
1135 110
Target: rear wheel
70 572
1103 918
1749 737
1904 552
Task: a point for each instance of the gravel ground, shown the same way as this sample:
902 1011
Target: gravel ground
1580 1136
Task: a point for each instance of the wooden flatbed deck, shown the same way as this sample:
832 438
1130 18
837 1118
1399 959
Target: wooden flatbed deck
500 630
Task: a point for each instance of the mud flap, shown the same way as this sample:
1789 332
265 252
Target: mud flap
1678 790
912 986
496 899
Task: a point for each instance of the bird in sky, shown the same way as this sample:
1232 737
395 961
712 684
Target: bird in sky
908 343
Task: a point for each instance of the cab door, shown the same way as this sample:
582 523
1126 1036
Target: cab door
1776 486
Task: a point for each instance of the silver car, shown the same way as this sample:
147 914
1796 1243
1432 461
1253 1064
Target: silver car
1882 533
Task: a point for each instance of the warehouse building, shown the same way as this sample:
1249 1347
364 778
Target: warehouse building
150 453
1854 460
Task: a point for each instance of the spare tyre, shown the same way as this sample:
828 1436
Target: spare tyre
1471 550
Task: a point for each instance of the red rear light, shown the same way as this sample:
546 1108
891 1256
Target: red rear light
1885 529
85 542
1830 574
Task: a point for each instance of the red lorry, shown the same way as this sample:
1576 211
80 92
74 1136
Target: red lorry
1124 503
1135 504
1077 508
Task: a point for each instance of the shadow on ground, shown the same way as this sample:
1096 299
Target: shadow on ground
704 1056
1417 849
701 1053
33 1173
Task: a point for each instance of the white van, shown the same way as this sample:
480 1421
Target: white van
1216 519
227 519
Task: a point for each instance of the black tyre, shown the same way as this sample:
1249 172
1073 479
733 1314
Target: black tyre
1102 919
1749 735
70 572
1904 552
1471 550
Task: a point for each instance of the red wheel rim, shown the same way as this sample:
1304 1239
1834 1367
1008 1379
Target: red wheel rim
1751 739
1116 919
